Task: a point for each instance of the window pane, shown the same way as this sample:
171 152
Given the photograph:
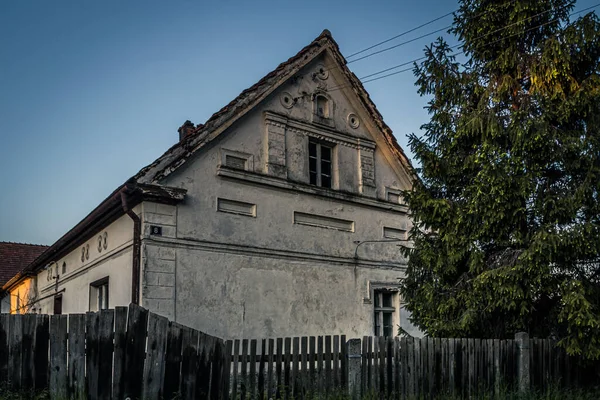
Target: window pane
387 300
326 153
326 168
326 181
312 164
313 178
377 302
312 149
388 327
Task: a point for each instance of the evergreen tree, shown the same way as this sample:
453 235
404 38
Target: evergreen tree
507 211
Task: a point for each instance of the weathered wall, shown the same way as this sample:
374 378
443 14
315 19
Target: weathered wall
97 258
251 270
22 297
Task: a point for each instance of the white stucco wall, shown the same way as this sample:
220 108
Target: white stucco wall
114 262
262 275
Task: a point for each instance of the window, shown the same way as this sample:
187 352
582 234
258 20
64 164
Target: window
64 268
319 164
58 304
322 107
384 312
99 295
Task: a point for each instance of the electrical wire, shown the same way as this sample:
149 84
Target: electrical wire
453 47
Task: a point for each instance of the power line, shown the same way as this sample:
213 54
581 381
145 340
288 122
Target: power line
453 47
447 27
402 34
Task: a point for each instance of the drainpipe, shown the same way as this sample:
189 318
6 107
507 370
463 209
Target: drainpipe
137 245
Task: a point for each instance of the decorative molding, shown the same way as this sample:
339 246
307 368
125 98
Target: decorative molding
323 221
279 183
319 132
250 251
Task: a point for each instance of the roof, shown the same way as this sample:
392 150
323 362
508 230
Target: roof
203 134
16 256
128 194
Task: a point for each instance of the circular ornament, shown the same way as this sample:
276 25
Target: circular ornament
322 72
353 121
286 100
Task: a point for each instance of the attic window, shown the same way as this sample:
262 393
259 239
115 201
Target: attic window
323 110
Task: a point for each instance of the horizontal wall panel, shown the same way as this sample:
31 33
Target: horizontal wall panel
236 207
394 233
323 221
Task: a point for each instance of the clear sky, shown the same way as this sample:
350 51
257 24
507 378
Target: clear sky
92 91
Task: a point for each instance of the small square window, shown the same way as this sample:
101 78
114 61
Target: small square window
99 295
319 163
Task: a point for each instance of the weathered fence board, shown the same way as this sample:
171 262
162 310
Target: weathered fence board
77 356
58 356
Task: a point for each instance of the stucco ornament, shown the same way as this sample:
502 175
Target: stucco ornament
322 73
353 121
286 100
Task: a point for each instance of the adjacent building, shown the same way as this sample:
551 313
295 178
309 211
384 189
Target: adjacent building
281 215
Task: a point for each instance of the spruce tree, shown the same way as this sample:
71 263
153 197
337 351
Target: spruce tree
507 212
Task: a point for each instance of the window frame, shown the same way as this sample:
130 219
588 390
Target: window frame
319 145
380 310
98 295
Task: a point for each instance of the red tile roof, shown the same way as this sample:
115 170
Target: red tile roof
14 257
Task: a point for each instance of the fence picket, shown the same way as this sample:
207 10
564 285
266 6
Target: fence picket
295 362
327 367
76 366
234 374
154 367
261 369
172 361
92 324
343 364
244 370
189 362
271 360
312 348
58 356
286 368
252 381
278 368
135 349
336 361
4 347
120 352
42 343
105 348
304 378
27 366
15 346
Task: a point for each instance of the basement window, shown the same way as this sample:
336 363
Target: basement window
319 163
99 295
384 312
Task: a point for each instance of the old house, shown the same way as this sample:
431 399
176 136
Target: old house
14 257
280 215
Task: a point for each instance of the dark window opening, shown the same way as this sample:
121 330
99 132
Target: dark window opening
235 162
58 305
319 164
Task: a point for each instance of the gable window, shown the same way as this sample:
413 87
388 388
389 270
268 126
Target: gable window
323 107
319 163
99 295
384 312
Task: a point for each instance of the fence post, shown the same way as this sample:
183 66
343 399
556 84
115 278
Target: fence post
353 352
523 371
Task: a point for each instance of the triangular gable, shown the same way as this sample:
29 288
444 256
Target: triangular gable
177 155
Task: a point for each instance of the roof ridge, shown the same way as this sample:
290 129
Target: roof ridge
23 244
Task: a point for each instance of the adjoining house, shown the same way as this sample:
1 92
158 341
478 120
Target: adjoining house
281 215
14 257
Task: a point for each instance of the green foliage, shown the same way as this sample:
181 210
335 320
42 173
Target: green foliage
507 213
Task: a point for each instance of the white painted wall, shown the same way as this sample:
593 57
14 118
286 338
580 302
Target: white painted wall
114 262
262 275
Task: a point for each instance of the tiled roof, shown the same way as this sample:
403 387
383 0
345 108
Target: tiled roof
14 257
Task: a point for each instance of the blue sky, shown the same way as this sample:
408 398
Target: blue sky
92 91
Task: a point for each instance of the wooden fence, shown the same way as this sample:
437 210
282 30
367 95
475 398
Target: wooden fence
396 367
123 353
132 353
